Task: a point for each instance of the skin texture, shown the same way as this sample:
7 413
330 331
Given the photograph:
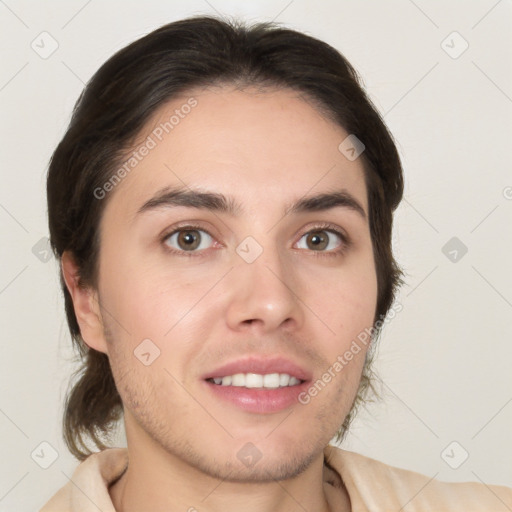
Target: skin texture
266 149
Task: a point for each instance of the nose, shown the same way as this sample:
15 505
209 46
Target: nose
264 295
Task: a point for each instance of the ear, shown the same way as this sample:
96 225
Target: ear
86 305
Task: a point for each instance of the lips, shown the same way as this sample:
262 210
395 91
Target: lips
262 366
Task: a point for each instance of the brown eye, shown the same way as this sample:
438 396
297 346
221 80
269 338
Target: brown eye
322 240
189 239
317 240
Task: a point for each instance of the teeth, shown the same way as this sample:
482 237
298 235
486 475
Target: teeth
273 380
284 379
252 380
256 380
226 381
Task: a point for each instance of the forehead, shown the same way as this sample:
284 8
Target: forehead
268 146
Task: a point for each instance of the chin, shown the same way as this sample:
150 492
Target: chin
261 471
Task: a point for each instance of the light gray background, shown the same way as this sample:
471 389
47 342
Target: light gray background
445 359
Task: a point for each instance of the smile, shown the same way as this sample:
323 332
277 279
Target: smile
256 380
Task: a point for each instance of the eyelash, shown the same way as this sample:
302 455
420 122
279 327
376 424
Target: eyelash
331 228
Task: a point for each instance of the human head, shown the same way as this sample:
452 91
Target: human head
121 99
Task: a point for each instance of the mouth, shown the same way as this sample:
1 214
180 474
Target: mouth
258 385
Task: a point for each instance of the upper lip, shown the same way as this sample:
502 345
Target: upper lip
253 364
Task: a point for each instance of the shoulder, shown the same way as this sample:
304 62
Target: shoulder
373 485
90 480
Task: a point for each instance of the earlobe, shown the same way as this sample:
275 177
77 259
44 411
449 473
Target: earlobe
86 305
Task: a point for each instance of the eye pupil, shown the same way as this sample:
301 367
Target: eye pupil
189 239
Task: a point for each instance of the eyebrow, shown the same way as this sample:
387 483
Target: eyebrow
169 197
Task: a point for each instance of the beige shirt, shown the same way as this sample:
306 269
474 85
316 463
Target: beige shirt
372 486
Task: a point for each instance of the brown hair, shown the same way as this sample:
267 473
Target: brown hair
123 95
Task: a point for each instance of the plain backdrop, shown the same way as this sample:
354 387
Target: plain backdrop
444 360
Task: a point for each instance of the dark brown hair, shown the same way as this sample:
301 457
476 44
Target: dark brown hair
120 99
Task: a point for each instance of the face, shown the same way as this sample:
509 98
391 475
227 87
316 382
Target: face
203 299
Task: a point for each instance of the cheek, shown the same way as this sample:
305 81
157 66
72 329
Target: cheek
346 301
147 301
351 319
163 314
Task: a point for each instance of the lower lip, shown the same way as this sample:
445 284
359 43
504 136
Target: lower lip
258 400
